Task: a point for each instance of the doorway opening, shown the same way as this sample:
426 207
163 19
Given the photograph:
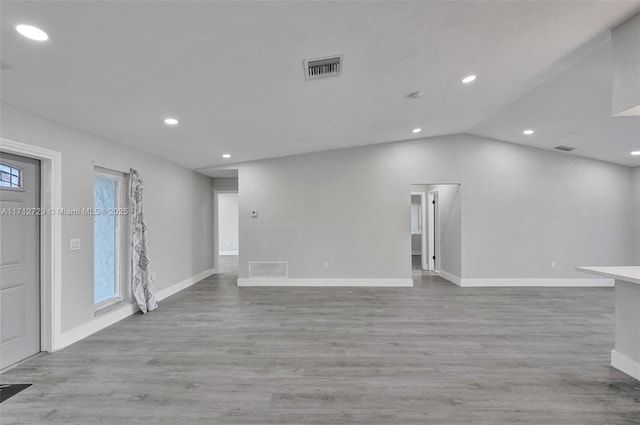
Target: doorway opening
226 241
436 235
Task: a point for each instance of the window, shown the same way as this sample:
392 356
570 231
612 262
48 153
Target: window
110 242
10 176
416 219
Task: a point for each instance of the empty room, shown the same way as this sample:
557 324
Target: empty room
320 212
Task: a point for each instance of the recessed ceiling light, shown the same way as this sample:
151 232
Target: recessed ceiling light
416 130
468 79
635 153
528 132
170 121
32 32
226 155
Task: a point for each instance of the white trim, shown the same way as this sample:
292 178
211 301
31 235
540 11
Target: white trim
625 364
396 283
228 253
50 239
107 319
99 322
433 230
173 289
523 282
552 282
450 277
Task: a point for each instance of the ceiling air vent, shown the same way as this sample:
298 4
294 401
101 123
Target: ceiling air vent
564 148
322 67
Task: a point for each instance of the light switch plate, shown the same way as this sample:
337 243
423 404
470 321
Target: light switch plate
74 244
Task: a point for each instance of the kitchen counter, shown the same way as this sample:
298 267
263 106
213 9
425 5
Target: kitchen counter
626 355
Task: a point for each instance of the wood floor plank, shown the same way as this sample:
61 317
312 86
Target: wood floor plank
432 354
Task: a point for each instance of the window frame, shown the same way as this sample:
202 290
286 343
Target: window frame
122 267
20 186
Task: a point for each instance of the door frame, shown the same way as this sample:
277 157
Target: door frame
423 237
216 234
50 239
433 230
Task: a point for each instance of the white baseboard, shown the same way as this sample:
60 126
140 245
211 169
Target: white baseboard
521 282
451 278
117 314
228 253
173 289
578 283
396 283
625 364
98 323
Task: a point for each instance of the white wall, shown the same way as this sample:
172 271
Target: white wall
344 207
225 183
523 208
228 223
449 251
626 66
177 208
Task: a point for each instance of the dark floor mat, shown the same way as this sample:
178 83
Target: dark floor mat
9 390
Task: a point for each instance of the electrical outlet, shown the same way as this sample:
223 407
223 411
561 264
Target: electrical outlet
553 264
325 265
254 213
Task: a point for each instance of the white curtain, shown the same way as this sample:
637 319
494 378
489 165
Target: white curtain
141 284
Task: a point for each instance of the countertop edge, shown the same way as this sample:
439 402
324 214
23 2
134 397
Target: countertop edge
617 273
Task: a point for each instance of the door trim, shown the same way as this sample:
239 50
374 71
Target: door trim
433 230
50 239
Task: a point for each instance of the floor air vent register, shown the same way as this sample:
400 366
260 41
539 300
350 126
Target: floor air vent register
268 269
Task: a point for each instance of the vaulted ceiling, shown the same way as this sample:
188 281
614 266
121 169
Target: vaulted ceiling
232 73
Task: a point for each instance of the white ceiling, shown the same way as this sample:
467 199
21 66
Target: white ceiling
572 108
232 73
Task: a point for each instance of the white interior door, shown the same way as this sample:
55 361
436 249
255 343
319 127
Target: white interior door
19 258
433 230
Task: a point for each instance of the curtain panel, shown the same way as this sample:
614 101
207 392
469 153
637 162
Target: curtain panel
141 285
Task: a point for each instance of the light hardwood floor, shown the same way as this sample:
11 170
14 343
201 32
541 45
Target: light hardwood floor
432 354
